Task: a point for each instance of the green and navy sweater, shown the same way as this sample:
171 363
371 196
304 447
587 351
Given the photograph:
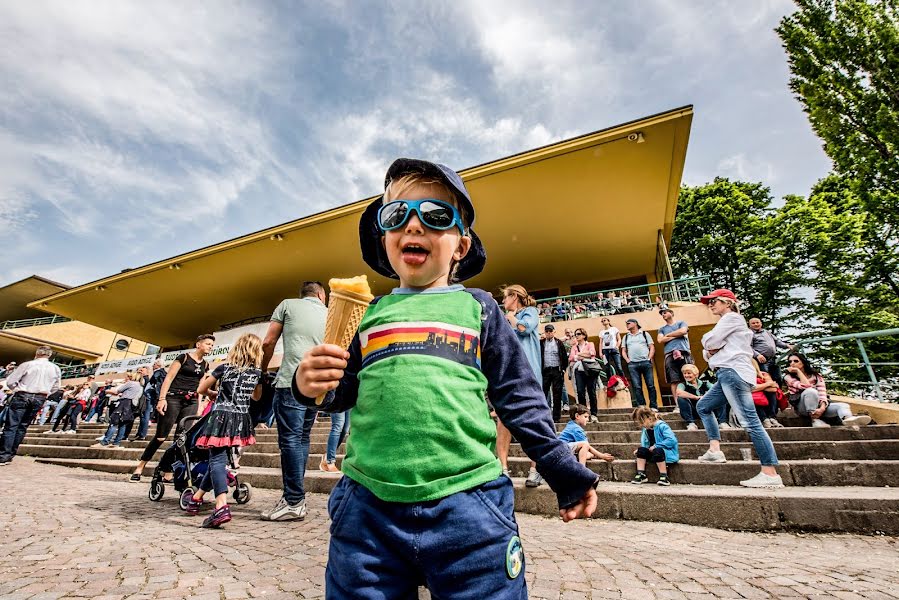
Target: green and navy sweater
419 368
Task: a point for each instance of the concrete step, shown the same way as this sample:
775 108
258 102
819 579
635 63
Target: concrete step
813 472
786 434
844 509
863 449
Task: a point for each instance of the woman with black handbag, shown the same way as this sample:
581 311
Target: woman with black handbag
586 370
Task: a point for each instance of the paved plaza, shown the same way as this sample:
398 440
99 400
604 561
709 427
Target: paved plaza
73 533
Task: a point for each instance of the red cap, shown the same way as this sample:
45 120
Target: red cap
722 293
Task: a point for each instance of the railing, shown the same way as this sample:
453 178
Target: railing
883 389
629 299
32 322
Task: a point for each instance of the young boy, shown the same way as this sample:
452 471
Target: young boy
576 438
423 499
657 444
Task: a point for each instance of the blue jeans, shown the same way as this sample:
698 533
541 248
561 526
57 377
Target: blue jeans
340 425
689 413
730 389
295 423
614 356
114 434
642 369
216 476
20 411
456 545
45 411
144 428
59 410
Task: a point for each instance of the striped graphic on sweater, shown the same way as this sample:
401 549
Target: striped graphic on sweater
442 340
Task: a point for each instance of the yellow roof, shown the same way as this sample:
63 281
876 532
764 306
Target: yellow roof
15 296
578 211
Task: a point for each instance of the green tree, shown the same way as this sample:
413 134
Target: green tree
729 231
844 60
853 267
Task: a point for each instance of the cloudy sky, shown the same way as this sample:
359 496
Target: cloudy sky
134 131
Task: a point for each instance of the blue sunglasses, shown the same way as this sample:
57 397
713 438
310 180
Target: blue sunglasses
433 213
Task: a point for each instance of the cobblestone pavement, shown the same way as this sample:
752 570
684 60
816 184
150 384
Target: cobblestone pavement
75 533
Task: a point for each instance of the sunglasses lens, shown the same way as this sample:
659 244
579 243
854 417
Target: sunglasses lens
436 216
393 214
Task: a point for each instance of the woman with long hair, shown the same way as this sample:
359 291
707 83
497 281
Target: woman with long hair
808 395
524 319
727 348
584 380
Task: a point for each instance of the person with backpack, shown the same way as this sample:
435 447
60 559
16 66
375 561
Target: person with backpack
638 351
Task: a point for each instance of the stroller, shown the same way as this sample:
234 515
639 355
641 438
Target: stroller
189 464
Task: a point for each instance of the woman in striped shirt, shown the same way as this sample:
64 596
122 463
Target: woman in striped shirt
808 395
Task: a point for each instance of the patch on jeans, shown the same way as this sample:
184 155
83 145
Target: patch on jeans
514 557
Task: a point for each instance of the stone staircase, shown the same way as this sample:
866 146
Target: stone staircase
837 479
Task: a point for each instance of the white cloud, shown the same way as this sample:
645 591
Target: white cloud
118 108
743 168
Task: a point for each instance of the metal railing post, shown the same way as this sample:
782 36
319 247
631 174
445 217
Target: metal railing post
861 349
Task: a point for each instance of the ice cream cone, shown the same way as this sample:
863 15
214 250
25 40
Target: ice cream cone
345 311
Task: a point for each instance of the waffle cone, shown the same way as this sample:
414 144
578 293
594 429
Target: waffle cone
345 312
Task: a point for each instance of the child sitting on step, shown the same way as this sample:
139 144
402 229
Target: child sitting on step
576 438
657 444
228 425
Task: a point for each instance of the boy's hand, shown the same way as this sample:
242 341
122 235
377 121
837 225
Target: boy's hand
321 370
585 508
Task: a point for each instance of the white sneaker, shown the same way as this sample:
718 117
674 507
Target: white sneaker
507 474
724 426
766 423
594 419
712 457
819 424
534 480
857 420
692 427
285 512
763 480
99 438
775 423
675 410
565 408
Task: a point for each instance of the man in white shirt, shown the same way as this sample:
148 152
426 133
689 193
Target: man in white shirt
31 383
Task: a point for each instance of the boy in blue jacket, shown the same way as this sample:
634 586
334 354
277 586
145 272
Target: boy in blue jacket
576 438
657 444
423 498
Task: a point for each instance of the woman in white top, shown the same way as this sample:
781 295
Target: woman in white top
727 348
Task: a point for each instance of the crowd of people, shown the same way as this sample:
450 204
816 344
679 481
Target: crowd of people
592 305
443 467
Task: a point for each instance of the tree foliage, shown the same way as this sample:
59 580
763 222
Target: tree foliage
844 60
729 231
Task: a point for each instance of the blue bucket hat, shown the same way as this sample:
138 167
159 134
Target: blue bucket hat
373 252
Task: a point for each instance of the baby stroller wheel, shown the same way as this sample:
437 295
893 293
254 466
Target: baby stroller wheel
157 490
242 493
186 495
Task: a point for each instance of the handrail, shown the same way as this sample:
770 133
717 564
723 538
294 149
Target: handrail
701 282
878 385
16 323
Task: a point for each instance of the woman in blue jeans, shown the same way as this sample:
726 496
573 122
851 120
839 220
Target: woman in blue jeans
727 348
340 426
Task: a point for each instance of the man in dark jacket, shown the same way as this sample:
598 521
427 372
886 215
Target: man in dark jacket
553 360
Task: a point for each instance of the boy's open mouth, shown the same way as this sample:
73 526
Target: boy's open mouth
413 254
